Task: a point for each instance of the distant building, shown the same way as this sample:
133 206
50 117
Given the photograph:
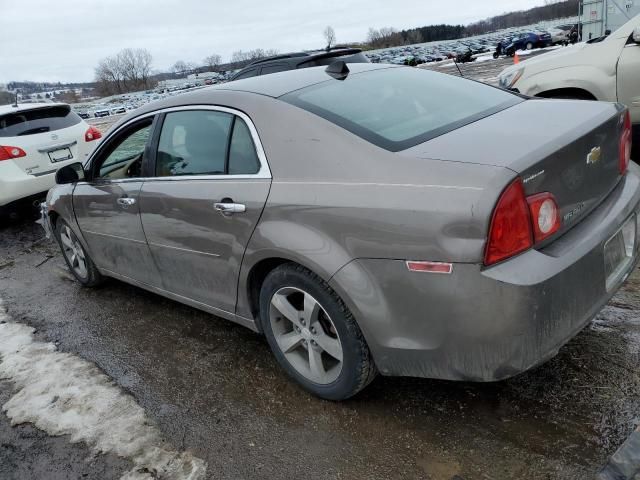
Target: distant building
598 16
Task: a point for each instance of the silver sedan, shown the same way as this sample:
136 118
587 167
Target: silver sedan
365 218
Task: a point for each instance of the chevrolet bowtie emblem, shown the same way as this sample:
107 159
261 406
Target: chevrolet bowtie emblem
594 156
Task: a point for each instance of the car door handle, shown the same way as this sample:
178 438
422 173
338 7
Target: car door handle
228 209
126 201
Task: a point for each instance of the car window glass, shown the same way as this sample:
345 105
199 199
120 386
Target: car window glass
397 108
281 67
125 160
243 159
40 120
247 74
193 143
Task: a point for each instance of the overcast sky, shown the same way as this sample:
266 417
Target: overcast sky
63 41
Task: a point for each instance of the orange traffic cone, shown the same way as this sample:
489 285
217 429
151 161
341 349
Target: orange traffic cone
516 59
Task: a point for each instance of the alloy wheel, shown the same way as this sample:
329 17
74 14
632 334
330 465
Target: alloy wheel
73 251
306 335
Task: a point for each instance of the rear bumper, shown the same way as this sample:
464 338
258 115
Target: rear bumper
16 185
482 324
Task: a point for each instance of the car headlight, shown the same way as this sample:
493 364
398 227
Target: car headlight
508 80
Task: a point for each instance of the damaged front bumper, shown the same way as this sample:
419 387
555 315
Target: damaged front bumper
44 220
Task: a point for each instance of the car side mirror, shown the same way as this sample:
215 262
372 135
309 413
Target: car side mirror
636 34
70 174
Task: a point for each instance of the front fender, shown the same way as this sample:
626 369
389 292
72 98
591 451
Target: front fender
599 82
59 203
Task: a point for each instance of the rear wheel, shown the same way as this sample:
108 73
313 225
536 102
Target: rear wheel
78 260
313 335
529 46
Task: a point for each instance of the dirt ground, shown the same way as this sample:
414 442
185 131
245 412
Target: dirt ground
213 388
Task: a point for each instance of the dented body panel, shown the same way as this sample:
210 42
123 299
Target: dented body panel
485 324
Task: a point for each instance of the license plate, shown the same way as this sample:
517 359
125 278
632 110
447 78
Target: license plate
60 155
618 252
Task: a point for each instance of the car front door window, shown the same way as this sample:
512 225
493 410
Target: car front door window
124 159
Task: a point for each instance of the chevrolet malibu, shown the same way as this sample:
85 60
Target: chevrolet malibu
365 218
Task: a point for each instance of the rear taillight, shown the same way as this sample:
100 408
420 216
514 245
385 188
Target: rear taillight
545 216
519 222
510 231
8 153
625 144
92 134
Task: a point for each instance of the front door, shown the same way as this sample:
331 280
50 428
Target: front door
629 79
199 211
107 206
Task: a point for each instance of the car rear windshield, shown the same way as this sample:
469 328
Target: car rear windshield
398 108
40 120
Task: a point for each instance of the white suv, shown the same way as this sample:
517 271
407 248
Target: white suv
607 70
37 139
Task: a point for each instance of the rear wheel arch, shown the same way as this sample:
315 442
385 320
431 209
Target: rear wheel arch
568 93
259 272
256 278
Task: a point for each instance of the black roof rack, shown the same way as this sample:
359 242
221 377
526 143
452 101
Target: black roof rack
314 54
278 57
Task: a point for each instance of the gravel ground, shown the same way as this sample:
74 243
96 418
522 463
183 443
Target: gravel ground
213 388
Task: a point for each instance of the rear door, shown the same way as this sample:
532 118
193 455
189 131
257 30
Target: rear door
199 212
629 79
107 206
51 136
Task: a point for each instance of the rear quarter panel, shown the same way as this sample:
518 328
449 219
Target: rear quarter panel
335 198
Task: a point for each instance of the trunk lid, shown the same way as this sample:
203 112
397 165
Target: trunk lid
569 148
50 136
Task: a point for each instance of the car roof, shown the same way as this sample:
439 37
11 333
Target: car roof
4 109
278 84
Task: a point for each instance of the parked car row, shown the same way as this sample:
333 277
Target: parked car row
513 39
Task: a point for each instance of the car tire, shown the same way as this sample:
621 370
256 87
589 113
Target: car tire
80 264
313 335
529 46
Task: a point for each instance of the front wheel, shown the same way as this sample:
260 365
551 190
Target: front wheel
313 335
529 46
78 260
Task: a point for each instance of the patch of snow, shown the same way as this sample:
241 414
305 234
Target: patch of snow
63 394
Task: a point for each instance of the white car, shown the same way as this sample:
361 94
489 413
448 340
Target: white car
607 70
560 33
36 139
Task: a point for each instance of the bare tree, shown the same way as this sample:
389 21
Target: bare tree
329 36
127 71
212 61
240 56
180 67
385 37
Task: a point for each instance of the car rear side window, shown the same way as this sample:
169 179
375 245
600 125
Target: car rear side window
40 120
398 108
243 159
193 143
205 142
